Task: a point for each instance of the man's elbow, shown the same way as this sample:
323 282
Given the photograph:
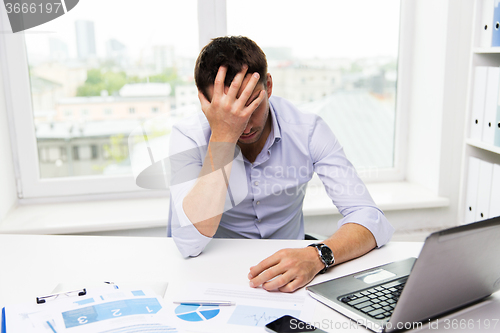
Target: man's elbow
189 241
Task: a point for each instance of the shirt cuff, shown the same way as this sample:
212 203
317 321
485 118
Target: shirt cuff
373 220
188 239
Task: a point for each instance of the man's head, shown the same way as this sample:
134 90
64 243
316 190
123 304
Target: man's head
232 52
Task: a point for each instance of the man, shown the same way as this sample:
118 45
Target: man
280 148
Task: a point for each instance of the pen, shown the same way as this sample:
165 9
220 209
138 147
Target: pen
214 303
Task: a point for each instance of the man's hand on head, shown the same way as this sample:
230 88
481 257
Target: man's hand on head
228 113
287 270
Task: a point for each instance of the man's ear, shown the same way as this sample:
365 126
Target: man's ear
208 92
269 85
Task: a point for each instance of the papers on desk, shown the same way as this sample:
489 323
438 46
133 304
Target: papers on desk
105 309
253 310
111 310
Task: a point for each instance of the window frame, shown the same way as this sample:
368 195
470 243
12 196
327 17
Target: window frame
211 22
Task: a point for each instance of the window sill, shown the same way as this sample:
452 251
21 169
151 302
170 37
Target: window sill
110 215
387 196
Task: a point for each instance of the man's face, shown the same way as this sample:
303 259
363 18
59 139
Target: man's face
256 126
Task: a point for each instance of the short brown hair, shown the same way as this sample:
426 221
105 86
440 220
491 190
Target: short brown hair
230 51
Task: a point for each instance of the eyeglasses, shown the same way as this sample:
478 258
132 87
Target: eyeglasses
43 299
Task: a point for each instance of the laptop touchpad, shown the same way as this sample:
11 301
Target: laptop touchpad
375 276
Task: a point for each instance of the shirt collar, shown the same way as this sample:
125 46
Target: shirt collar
275 128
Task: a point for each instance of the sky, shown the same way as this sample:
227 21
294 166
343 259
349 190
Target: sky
319 28
312 28
137 24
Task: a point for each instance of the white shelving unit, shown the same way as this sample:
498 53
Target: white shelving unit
480 56
483 146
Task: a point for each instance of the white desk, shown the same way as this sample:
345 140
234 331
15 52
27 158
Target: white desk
33 265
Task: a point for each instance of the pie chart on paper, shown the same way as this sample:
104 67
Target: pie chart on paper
196 312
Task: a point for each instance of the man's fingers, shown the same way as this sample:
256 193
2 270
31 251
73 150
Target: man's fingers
251 108
292 286
244 84
279 281
236 83
264 271
263 265
267 275
219 81
247 92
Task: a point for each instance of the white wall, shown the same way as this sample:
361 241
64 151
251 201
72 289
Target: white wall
427 82
8 196
439 76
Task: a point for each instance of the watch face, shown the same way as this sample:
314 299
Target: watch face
327 254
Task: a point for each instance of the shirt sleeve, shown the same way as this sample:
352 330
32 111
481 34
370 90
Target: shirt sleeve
343 185
185 163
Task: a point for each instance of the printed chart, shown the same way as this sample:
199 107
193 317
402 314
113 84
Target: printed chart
110 310
196 312
258 316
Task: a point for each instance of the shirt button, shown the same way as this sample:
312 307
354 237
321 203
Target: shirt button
256 183
258 202
259 220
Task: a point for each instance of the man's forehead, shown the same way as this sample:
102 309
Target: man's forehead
260 86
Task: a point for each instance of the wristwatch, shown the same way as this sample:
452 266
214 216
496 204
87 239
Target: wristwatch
325 254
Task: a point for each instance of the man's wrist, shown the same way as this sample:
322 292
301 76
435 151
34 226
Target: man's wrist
325 255
215 137
319 265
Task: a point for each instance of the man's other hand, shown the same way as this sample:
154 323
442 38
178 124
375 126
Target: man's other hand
287 270
227 112
291 269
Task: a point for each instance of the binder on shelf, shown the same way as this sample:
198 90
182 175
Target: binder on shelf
472 184
478 101
497 127
3 328
484 190
495 38
487 23
495 192
490 105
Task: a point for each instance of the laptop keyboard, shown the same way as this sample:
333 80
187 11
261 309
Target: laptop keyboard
377 302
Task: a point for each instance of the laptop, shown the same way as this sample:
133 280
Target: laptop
456 267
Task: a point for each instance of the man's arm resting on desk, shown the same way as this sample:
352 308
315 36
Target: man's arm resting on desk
294 268
227 113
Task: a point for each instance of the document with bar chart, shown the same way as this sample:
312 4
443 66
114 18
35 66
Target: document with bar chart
101 310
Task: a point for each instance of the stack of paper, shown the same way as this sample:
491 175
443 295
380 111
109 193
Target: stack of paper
104 309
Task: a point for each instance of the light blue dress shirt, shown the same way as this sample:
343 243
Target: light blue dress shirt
299 145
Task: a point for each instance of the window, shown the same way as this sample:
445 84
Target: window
91 81
84 152
100 79
95 153
76 153
337 59
106 74
50 154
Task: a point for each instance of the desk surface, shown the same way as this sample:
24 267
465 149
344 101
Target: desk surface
33 265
